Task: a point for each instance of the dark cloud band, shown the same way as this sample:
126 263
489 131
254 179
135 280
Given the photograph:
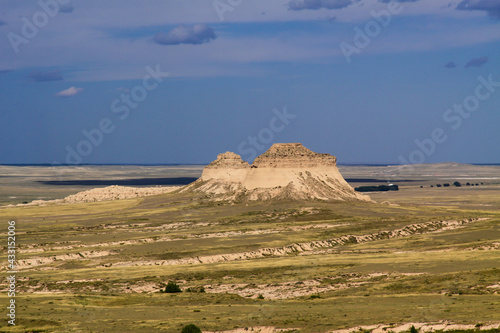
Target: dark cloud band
318 4
54 75
477 62
492 7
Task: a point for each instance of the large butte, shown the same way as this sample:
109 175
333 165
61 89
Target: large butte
285 171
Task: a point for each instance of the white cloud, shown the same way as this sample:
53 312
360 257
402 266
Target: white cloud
196 34
70 92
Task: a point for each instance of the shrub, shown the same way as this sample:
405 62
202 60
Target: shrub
260 296
366 188
413 329
172 287
191 328
446 185
375 188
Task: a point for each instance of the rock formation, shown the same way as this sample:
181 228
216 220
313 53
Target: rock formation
113 192
285 171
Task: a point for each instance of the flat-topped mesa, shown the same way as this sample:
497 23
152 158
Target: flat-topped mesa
293 155
286 171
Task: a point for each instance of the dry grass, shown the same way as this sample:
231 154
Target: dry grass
446 274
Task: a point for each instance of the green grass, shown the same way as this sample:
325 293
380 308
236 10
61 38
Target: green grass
449 280
170 312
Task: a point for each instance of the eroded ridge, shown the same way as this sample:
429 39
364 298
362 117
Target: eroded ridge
287 171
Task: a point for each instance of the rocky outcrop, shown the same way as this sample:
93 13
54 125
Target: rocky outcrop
113 192
228 160
293 155
285 171
224 175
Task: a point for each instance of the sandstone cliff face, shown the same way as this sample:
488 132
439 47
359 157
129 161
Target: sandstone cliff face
228 160
228 168
285 171
293 155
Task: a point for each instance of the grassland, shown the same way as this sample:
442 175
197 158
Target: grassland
99 267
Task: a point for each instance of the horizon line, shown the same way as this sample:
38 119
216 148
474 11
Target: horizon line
204 164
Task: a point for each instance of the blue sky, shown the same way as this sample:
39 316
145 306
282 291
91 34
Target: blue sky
123 81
